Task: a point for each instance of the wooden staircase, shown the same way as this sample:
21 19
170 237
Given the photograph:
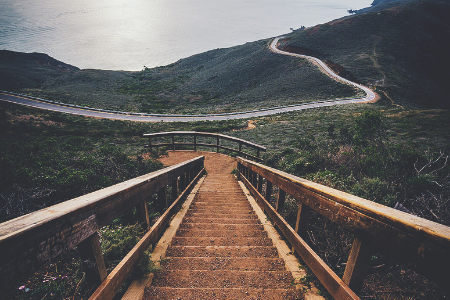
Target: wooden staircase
221 250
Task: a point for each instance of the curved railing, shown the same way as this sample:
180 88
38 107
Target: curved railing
36 239
195 142
422 244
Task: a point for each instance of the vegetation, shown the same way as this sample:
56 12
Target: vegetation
401 51
216 81
374 152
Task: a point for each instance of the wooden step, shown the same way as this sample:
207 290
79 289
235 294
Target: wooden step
220 227
224 263
222 294
204 219
221 251
215 233
221 241
246 215
223 279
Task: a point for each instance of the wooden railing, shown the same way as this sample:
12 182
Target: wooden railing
424 245
217 137
31 241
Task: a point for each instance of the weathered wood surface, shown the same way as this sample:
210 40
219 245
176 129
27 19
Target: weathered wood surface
423 244
92 259
358 263
205 134
335 286
30 241
117 277
216 145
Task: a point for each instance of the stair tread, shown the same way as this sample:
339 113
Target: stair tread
221 241
222 251
224 263
220 293
223 278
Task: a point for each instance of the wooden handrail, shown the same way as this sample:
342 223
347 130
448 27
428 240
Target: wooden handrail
30 241
195 144
423 244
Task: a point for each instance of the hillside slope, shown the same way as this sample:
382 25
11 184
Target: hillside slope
243 77
401 50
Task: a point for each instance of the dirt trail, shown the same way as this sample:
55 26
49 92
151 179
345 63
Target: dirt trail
221 250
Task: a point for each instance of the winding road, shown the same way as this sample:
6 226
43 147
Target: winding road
141 117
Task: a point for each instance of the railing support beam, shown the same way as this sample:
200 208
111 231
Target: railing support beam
143 214
281 199
162 199
268 190
92 259
357 264
174 189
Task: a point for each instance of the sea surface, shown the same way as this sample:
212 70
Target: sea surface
128 35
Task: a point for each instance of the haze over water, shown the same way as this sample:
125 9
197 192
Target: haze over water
128 35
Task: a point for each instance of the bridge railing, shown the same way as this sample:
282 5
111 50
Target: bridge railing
422 244
31 241
196 143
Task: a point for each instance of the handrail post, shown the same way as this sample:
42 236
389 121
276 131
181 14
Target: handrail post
218 138
173 142
268 190
358 263
195 142
162 199
260 183
150 143
174 189
255 179
143 214
92 259
182 184
301 224
281 199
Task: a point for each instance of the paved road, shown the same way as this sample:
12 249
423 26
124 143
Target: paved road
125 116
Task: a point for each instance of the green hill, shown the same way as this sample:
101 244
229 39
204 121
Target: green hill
244 77
19 70
402 50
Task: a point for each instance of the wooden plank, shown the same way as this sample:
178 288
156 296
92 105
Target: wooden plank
207 134
143 214
162 199
218 144
19 260
92 260
28 242
334 285
358 263
268 193
260 183
412 224
174 186
280 200
301 224
182 183
117 277
423 244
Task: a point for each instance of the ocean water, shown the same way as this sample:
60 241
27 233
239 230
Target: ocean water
128 35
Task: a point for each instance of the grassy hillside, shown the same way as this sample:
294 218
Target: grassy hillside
244 77
402 51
